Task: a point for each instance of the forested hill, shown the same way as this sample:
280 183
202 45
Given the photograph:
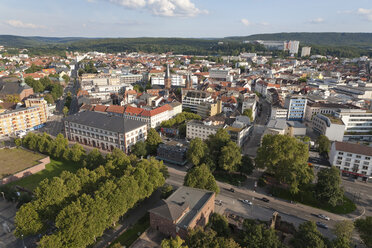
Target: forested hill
326 39
336 44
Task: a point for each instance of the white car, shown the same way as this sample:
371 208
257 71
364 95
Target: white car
247 202
324 217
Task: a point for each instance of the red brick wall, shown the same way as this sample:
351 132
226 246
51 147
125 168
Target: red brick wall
162 225
25 93
26 172
202 218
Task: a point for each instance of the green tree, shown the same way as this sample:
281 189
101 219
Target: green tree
259 236
364 227
77 153
201 177
94 159
66 78
173 243
219 224
328 187
65 110
230 157
49 98
139 149
27 221
248 112
152 142
323 145
18 142
197 151
246 165
286 158
215 143
344 231
308 236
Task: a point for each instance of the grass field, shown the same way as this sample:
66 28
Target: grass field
16 160
131 234
53 169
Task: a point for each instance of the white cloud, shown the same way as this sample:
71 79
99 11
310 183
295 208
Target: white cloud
245 22
317 20
20 24
367 13
170 8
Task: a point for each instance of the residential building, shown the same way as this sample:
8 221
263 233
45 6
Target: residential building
154 117
239 131
285 127
104 131
33 116
200 129
278 113
219 73
351 158
292 46
191 99
296 106
182 211
172 153
329 126
358 124
305 51
207 109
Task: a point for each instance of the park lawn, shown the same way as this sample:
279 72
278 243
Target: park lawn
53 169
16 160
128 237
230 178
306 197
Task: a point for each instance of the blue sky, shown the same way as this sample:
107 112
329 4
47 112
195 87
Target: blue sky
181 18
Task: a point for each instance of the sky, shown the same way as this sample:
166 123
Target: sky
181 18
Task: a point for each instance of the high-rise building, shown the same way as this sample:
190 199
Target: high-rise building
305 51
292 46
296 106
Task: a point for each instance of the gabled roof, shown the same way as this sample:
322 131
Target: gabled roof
133 110
115 109
100 108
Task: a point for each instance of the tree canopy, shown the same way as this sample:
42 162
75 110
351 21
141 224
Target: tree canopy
152 142
286 158
328 187
364 227
323 145
308 236
201 177
197 151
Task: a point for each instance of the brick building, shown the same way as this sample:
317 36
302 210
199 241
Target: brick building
185 209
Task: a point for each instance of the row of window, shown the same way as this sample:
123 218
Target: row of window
357 156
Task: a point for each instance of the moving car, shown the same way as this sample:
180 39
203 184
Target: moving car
322 225
265 199
231 190
247 202
324 217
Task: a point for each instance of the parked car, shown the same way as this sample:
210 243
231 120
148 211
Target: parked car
324 217
265 199
247 202
322 225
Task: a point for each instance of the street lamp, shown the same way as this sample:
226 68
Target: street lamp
23 242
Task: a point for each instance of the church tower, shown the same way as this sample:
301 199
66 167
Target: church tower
167 79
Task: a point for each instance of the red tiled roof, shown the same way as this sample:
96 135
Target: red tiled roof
133 110
157 111
115 109
100 108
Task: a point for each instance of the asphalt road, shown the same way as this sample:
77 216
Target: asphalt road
294 213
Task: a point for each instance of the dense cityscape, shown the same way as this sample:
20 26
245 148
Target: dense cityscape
244 141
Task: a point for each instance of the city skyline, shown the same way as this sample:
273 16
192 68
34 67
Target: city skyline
181 18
